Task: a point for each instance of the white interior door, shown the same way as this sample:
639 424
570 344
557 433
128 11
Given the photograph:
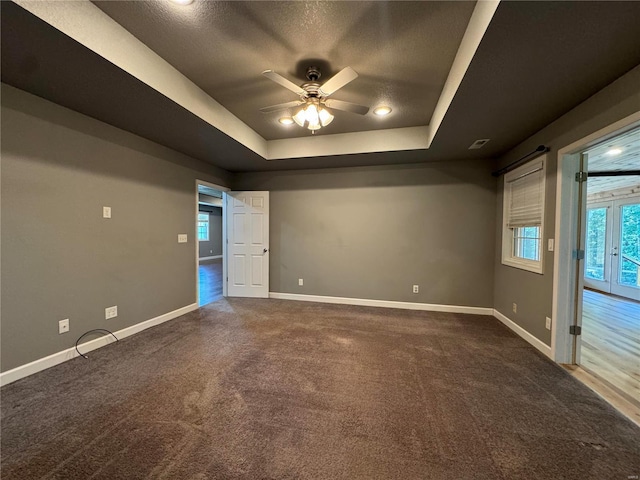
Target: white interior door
625 249
248 244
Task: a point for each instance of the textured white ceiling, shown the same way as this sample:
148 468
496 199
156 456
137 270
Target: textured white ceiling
402 51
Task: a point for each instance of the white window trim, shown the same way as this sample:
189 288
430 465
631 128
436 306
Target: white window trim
507 233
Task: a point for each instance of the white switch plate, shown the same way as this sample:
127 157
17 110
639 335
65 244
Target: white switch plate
63 326
416 288
550 244
182 238
300 282
106 212
111 312
547 323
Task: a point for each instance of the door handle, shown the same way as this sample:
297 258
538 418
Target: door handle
265 251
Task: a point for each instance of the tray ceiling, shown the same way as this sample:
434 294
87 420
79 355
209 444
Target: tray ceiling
189 77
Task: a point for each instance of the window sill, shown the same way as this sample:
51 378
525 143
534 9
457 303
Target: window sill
529 266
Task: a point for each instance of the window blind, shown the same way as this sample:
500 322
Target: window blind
527 195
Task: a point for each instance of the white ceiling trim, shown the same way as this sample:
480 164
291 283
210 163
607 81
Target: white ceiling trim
389 140
478 24
90 26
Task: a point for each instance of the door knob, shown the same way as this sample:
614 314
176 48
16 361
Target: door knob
265 250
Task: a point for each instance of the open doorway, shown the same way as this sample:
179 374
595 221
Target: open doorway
210 232
610 343
570 294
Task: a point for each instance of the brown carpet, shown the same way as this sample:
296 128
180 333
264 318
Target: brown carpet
269 389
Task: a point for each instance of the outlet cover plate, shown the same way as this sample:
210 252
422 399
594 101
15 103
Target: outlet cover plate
63 326
111 312
182 238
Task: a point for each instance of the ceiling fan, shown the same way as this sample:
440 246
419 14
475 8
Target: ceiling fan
314 98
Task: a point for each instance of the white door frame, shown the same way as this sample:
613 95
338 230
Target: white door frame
565 280
224 237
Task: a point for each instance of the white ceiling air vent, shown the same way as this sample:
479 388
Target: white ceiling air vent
478 144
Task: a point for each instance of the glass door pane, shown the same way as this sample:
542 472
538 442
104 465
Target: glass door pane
597 264
596 243
628 274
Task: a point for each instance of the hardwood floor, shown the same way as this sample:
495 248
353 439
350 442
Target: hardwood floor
611 341
210 281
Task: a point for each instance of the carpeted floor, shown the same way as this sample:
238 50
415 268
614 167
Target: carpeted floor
270 389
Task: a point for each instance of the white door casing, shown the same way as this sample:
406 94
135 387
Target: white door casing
248 244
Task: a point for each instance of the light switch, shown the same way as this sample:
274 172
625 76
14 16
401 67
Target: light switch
182 238
106 212
550 244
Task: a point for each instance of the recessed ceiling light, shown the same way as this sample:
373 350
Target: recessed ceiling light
182 2
614 151
382 111
286 120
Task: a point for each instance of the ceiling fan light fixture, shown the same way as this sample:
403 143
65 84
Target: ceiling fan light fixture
325 117
300 117
313 116
382 110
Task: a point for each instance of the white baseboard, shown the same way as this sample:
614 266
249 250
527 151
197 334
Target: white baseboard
431 307
539 344
60 357
215 257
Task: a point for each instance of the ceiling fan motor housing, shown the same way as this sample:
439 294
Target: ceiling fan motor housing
313 74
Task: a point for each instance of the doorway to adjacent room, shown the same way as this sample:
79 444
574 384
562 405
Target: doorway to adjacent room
610 342
210 233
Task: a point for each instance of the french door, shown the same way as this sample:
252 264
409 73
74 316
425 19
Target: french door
612 251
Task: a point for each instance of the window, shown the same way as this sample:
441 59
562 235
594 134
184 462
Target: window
203 227
523 214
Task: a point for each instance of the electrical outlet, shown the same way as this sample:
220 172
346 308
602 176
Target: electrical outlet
515 308
111 312
63 326
300 282
416 288
547 323
106 212
182 238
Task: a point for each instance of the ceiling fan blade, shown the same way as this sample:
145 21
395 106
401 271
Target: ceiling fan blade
281 106
338 81
347 106
280 80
